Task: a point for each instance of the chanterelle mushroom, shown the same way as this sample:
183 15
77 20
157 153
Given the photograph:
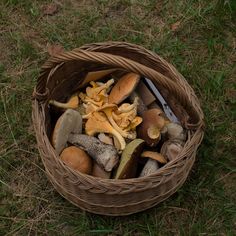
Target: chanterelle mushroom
95 97
98 123
72 103
97 94
125 117
108 109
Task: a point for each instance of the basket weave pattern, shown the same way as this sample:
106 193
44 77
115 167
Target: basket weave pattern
61 76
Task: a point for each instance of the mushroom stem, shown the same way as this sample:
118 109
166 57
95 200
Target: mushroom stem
150 167
105 155
141 107
71 104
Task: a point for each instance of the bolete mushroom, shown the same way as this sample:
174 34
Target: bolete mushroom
77 159
155 156
128 163
123 88
150 167
70 121
100 172
171 149
145 94
105 155
175 131
72 103
141 107
98 123
105 139
151 126
152 164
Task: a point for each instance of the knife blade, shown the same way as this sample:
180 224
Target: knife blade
169 113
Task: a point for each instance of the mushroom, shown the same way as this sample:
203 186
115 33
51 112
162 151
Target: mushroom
77 159
98 123
108 109
70 121
175 131
95 97
123 88
171 149
150 167
105 138
99 172
98 91
96 75
152 164
105 155
155 156
72 103
128 163
141 107
151 126
145 94
126 119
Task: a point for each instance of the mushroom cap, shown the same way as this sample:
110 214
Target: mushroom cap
70 121
150 128
77 159
171 149
175 131
123 88
99 172
155 156
128 163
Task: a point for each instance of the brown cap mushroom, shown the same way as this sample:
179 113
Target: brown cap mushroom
123 88
155 156
99 172
128 162
77 159
70 121
150 167
171 149
150 128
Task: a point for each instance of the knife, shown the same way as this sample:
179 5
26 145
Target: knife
169 113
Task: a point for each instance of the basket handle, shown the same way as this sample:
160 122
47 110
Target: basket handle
115 61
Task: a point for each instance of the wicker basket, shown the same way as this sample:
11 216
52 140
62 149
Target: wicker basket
62 75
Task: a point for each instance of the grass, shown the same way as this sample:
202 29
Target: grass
203 50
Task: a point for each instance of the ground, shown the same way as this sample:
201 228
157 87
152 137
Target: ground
197 37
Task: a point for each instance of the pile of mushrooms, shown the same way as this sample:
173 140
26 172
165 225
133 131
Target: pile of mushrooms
115 129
